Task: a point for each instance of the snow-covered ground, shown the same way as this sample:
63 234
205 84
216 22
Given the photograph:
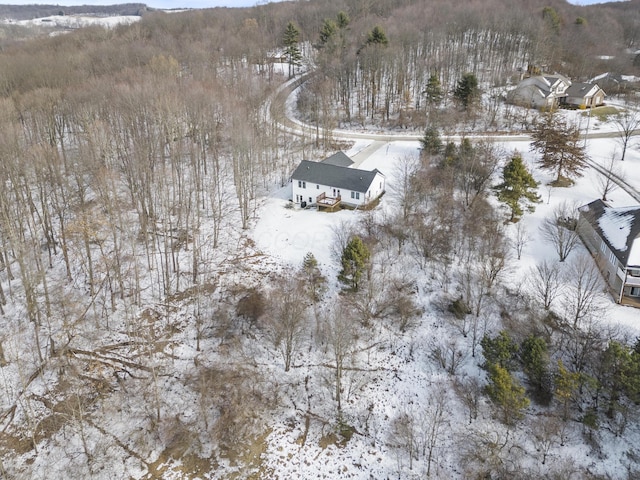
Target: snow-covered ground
287 234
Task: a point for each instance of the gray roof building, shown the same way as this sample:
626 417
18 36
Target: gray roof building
335 176
619 228
339 159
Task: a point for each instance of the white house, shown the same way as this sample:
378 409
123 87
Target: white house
540 91
612 235
330 184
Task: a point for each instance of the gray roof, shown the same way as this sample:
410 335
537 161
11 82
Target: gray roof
580 89
334 176
339 159
610 223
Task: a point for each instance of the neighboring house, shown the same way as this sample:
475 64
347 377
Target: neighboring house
583 95
612 235
331 184
339 159
540 91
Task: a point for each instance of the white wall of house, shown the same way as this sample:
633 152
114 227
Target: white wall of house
308 192
376 188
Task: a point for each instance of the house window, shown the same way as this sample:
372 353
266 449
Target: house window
353 194
310 200
633 272
304 184
317 187
635 292
357 195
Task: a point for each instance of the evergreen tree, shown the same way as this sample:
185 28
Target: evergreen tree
467 91
377 36
567 384
431 142
433 90
559 144
535 364
314 280
355 258
342 20
327 32
619 374
505 391
517 187
553 18
500 351
291 49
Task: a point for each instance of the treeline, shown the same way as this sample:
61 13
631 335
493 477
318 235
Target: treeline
497 42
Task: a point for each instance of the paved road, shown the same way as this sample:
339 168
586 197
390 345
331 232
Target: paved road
292 125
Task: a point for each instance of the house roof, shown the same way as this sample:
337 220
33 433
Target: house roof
339 159
335 176
619 228
582 89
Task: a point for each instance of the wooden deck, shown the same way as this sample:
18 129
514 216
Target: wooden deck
328 203
630 301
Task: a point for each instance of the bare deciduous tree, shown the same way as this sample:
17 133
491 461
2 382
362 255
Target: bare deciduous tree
520 239
627 123
585 289
286 318
607 178
546 283
560 229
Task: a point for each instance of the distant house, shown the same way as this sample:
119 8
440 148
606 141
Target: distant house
612 235
331 183
584 95
540 91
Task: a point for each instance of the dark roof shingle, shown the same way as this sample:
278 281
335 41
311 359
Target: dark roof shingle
334 176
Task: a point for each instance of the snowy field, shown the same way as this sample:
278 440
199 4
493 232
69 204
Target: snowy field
72 22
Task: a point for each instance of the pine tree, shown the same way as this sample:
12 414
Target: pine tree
517 187
342 20
505 391
567 384
500 351
377 36
291 49
327 32
559 144
433 90
355 258
314 280
535 364
431 142
467 91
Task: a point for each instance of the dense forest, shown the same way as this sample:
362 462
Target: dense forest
144 335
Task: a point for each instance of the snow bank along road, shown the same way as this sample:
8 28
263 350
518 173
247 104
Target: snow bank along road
280 100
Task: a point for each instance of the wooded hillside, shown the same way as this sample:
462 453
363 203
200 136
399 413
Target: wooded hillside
139 323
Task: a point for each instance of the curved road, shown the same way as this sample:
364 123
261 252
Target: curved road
292 125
